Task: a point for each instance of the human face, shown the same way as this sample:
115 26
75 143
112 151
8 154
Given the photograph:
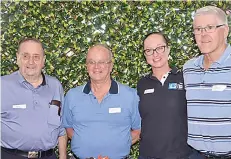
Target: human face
156 42
30 59
214 42
99 64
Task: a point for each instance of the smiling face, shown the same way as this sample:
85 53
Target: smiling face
30 59
99 64
156 42
214 42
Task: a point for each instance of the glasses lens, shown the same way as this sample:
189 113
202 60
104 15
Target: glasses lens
148 52
160 49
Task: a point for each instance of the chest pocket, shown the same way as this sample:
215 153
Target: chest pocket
53 116
119 117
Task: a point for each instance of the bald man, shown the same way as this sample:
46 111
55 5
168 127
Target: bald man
101 117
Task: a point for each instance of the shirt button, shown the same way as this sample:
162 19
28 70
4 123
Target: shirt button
35 102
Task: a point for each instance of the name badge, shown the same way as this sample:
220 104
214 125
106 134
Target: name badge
172 86
19 106
149 91
114 110
219 87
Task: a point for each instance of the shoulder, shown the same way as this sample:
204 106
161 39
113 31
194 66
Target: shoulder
125 88
75 91
190 63
9 78
144 78
176 71
52 79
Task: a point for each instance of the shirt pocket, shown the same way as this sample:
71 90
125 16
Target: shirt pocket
53 117
119 119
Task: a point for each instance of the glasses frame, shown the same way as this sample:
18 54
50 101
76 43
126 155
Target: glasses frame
206 29
27 57
155 50
99 63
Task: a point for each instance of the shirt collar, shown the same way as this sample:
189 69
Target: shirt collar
114 89
225 55
22 79
199 61
173 70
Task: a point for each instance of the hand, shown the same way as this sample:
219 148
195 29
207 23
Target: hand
100 157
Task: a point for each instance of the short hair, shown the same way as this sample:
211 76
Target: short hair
104 46
25 39
212 10
166 40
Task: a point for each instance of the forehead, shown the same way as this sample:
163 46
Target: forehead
205 19
154 39
98 53
30 47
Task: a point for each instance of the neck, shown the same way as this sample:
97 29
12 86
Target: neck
35 81
100 89
159 72
100 85
213 57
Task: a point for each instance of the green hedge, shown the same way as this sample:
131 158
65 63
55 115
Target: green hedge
68 28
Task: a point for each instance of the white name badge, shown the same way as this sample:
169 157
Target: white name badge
19 106
149 91
114 110
219 87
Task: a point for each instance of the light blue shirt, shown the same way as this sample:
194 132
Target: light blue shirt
28 121
208 94
101 128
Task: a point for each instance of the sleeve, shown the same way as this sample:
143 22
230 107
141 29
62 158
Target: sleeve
136 119
62 130
67 121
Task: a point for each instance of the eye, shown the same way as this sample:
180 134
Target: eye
25 56
210 27
197 29
36 57
161 48
91 62
147 50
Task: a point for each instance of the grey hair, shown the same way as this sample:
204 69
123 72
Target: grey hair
213 10
104 46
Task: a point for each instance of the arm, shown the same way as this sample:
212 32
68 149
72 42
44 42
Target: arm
69 132
135 135
62 147
136 120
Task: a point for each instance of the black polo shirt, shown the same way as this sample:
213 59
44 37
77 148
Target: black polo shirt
163 111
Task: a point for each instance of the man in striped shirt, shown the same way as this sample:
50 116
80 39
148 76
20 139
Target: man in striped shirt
208 85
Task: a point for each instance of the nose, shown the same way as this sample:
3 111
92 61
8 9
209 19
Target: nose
155 53
31 60
96 65
203 31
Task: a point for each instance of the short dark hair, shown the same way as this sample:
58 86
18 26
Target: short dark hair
157 33
25 39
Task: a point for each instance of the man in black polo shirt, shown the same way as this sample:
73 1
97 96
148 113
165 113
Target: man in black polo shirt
162 105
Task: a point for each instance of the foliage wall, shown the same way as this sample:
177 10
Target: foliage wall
68 28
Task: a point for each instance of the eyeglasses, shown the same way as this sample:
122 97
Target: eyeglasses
35 57
99 63
159 50
208 29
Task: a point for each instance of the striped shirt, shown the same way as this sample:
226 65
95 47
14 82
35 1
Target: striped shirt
208 94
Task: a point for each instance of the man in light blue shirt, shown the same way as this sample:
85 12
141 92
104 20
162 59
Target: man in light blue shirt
30 108
208 86
101 117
